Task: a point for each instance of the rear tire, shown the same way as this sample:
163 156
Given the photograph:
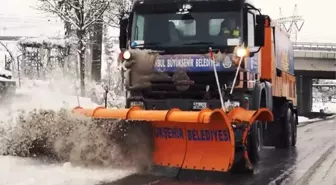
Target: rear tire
286 139
294 121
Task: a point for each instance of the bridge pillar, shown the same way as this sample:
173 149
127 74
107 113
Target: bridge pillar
304 86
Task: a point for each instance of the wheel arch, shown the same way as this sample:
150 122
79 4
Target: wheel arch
262 91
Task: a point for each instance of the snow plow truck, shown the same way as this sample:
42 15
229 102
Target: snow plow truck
214 79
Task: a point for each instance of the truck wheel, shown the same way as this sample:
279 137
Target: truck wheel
255 142
294 120
286 139
254 145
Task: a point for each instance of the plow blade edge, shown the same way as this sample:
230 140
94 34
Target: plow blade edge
199 140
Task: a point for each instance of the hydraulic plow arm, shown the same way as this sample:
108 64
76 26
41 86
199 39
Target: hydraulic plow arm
201 140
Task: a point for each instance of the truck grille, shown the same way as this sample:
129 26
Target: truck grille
196 90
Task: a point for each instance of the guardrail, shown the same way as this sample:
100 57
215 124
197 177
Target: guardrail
316 54
9 38
324 85
315 46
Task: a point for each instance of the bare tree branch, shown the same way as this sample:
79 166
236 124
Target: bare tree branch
8 51
48 6
81 16
97 15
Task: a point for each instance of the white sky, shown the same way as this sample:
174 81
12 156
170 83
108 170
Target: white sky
18 18
319 26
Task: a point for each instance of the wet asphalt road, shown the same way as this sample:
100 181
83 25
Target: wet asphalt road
311 162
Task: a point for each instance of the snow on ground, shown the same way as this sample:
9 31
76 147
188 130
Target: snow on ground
19 171
26 171
306 120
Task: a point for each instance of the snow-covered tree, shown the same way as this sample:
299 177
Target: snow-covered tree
12 58
81 15
121 9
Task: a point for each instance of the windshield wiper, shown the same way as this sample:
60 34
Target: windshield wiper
198 43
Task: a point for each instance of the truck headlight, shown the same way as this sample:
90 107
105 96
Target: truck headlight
241 52
127 55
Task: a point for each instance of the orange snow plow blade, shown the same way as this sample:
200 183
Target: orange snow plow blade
200 140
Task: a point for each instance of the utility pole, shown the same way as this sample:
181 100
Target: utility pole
292 24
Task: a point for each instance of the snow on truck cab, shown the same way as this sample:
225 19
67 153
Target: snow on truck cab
214 79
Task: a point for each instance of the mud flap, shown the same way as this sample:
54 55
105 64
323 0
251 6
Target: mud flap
240 116
199 140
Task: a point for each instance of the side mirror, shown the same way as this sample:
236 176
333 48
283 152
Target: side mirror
123 33
259 39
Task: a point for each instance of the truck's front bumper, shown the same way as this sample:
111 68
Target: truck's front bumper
166 104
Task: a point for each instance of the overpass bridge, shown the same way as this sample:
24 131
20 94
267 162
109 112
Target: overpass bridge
317 60
312 60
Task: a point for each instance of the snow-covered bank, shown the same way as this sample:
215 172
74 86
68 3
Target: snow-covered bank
23 171
303 119
37 94
328 107
50 100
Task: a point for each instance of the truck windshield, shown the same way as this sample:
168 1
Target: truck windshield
181 30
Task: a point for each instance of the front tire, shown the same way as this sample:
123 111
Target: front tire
255 142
